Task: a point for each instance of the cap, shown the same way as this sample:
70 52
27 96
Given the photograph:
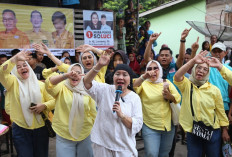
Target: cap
220 46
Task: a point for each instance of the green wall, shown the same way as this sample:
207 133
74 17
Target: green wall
172 21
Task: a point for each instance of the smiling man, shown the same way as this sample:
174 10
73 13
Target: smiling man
12 37
37 35
219 52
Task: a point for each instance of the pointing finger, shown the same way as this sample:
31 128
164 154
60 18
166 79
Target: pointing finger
197 39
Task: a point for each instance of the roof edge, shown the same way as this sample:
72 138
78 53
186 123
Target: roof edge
163 6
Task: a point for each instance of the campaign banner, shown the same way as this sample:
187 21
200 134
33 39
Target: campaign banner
56 52
98 28
22 26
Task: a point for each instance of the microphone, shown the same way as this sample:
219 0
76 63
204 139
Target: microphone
118 92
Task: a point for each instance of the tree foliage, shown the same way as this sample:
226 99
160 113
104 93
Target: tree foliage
118 6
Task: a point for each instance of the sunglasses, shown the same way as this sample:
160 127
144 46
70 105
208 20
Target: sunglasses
154 68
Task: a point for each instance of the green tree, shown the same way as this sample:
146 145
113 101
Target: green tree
118 6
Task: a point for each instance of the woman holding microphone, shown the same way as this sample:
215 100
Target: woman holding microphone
113 133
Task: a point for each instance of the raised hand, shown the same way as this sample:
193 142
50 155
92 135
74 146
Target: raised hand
214 62
73 75
41 48
195 45
200 58
23 55
104 59
148 74
84 48
154 37
185 33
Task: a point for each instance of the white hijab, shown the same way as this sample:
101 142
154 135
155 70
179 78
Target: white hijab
77 112
159 80
29 92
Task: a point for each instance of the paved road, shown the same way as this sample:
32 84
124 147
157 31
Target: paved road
181 150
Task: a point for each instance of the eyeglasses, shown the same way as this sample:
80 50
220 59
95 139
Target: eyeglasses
205 70
5 20
154 68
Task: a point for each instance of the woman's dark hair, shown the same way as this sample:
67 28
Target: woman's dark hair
122 54
203 45
3 56
127 69
64 53
91 23
94 13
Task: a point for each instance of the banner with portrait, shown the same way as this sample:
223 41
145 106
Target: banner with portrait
22 26
98 28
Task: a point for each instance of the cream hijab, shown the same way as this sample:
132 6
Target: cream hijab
77 112
193 79
29 92
159 80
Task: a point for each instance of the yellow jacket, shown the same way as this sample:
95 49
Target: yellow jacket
156 110
12 104
64 99
226 74
207 105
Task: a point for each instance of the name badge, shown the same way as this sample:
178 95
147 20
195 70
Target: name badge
172 70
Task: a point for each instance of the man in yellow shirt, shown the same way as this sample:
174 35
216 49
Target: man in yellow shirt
12 37
37 35
62 38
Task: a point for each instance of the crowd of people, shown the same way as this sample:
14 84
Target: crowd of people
78 96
